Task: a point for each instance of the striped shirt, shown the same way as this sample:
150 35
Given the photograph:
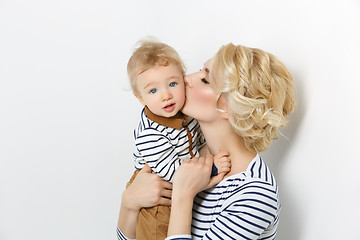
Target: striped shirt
243 206
164 147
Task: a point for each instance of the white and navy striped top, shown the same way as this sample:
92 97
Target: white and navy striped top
164 147
243 206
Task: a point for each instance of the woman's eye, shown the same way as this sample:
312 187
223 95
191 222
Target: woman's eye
205 81
173 84
153 90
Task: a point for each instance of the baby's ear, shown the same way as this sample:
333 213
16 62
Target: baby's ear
140 99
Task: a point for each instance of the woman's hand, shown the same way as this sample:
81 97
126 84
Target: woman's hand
193 176
147 190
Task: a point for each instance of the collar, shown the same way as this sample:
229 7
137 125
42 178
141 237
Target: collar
173 122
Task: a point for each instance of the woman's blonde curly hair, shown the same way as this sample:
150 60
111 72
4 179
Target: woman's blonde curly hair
259 91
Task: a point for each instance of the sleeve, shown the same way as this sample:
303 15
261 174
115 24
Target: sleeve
156 150
248 216
120 235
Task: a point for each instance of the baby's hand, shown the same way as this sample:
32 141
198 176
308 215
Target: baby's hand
222 162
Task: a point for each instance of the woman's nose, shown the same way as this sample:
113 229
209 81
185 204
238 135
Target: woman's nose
187 80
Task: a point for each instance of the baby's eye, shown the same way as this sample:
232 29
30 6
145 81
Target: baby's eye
153 90
172 84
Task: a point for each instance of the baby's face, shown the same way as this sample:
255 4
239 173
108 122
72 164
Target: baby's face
162 90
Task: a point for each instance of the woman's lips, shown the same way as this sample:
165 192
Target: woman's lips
170 107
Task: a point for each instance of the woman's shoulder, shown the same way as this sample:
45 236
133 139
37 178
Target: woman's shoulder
242 201
256 172
257 179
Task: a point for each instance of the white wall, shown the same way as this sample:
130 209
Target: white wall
66 112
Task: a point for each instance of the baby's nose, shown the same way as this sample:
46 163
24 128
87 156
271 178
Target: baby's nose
166 95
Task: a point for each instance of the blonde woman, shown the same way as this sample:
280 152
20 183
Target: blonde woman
240 98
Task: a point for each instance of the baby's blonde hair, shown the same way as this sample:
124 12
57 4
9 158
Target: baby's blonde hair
148 54
259 91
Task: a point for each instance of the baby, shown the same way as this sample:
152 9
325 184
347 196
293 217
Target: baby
164 136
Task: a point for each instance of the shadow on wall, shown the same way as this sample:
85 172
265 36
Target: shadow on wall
290 227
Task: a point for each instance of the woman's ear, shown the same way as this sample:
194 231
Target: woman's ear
222 106
225 115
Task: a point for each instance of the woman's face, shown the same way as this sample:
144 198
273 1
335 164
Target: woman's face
200 97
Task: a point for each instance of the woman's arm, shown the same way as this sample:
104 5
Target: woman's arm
192 177
146 190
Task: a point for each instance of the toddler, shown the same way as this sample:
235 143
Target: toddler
164 136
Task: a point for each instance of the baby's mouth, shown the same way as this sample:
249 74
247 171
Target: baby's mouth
169 106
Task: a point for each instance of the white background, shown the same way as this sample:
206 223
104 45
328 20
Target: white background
66 112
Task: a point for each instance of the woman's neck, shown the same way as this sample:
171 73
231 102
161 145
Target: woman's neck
221 137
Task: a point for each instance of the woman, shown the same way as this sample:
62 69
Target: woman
240 99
